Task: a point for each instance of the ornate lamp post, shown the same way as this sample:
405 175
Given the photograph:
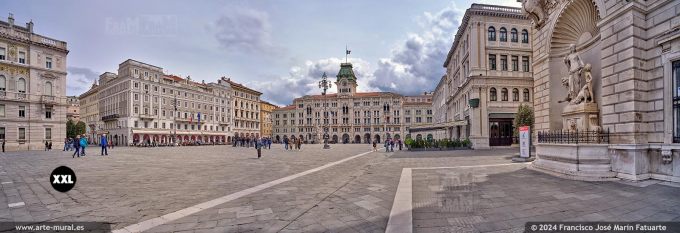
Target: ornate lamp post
324 84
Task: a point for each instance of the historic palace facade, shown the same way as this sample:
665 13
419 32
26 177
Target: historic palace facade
246 110
266 109
488 75
142 105
351 116
607 85
32 87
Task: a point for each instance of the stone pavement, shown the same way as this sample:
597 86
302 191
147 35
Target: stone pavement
137 184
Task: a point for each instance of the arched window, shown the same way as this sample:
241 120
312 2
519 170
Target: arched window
526 95
525 36
21 85
504 94
513 35
492 94
48 88
3 83
515 94
504 35
492 34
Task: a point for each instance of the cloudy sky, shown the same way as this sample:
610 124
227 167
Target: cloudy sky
280 47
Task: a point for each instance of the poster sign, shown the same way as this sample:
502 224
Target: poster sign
524 142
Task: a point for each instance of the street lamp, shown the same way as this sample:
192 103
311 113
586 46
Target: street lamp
324 84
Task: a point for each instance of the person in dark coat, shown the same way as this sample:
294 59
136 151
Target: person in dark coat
258 147
76 146
104 143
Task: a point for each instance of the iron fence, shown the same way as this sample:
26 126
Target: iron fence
574 136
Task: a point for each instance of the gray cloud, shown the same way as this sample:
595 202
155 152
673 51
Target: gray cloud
416 65
303 80
245 31
79 80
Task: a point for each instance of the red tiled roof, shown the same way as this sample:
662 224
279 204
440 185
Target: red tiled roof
235 84
289 107
180 79
358 94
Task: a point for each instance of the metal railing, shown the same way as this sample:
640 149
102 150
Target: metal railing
574 136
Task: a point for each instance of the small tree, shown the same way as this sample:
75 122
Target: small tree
70 129
524 117
80 128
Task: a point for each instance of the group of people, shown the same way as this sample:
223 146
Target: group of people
389 144
48 145
251 142
295 143
79 143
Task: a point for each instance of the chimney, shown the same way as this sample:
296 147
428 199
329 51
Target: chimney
29 26
10 20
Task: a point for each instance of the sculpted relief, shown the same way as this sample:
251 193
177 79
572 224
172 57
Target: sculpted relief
538 10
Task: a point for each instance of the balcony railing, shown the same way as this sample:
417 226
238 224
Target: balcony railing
48 99
3 94
21 96
574 137
111 117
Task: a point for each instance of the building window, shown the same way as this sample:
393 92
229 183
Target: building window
676 101
48 62
492 61
504 62
504 35
515 94
2 54
22 134
513 35
515 63
48 113
504 94
526 95
492 94
48 133
3 83
2 110
22 111
492 34
48 88
525 63
21 85
525 36
2 133
22 57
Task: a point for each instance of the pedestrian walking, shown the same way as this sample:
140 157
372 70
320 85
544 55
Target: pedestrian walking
3 145
391 145
269 143
65 144
258 147
400 143
104 143
375 146
285 143
83 145
300 144
46 145
49 146
76 146
387 145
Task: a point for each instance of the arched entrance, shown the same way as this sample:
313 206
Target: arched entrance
335 139
377 138
419 137
357 139
397 137
429 137
367 138
345 138
278 138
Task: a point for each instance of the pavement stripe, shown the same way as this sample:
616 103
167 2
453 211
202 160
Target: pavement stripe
401 215
8 182
16 204
148 224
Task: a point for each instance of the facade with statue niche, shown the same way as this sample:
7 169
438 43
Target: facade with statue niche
606 77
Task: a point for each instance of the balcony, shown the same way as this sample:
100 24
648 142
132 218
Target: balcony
146 116
46 99
21 96
111 117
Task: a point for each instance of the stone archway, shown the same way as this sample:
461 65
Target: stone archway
357 139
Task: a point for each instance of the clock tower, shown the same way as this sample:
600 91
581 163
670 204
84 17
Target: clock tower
347 81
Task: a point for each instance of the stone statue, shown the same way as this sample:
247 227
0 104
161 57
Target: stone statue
586 93
536 10
573 81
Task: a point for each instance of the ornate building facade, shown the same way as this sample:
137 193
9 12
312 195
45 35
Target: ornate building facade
73 109
488 75
610 69
246 110
266 109
32 87
351 116
89 112
142 105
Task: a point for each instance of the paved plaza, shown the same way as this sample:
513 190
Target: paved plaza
345 189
